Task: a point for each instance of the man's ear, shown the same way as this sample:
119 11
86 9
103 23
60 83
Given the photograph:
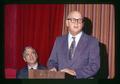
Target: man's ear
24 59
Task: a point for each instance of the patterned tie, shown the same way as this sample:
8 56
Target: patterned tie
72 48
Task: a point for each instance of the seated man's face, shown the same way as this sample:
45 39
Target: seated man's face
30 56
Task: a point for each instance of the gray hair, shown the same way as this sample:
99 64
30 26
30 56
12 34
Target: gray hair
28 47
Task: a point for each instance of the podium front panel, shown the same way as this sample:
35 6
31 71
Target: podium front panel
45 74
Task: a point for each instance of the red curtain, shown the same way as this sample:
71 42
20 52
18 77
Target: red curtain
36 25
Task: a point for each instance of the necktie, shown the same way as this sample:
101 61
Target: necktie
72 48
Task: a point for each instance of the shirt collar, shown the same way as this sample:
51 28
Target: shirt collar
76 36
34 67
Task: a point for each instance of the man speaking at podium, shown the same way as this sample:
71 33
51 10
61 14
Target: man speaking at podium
76 53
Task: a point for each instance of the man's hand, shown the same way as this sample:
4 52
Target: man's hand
53 69
69 71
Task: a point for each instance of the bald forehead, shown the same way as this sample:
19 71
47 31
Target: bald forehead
74 14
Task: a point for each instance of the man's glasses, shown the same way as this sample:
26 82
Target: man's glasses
73 20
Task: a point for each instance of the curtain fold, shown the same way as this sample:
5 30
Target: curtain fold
36 25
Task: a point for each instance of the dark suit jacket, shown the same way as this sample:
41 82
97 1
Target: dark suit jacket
23 73
86 61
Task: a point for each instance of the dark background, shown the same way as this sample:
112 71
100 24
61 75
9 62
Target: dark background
116 3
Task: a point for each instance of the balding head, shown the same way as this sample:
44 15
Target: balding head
74 14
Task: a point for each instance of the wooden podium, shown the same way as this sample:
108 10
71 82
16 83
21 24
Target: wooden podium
45 74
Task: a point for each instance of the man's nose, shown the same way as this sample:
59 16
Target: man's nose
30 55
76 23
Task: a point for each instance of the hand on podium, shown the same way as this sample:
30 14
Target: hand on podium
53 69
69 71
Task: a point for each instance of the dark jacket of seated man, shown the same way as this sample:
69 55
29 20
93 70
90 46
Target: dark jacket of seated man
23 73
30 57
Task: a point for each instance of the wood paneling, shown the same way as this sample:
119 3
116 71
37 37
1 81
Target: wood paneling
103 27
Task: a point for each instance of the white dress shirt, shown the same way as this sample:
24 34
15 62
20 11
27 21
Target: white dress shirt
70 39
33 67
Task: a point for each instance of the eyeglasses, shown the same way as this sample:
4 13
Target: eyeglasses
73 20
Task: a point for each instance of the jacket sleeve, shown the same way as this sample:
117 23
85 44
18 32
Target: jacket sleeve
52 61
19 75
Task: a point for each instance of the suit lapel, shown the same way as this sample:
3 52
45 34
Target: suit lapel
66 50
65 46
79 48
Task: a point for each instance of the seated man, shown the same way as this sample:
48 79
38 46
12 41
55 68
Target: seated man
30 57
